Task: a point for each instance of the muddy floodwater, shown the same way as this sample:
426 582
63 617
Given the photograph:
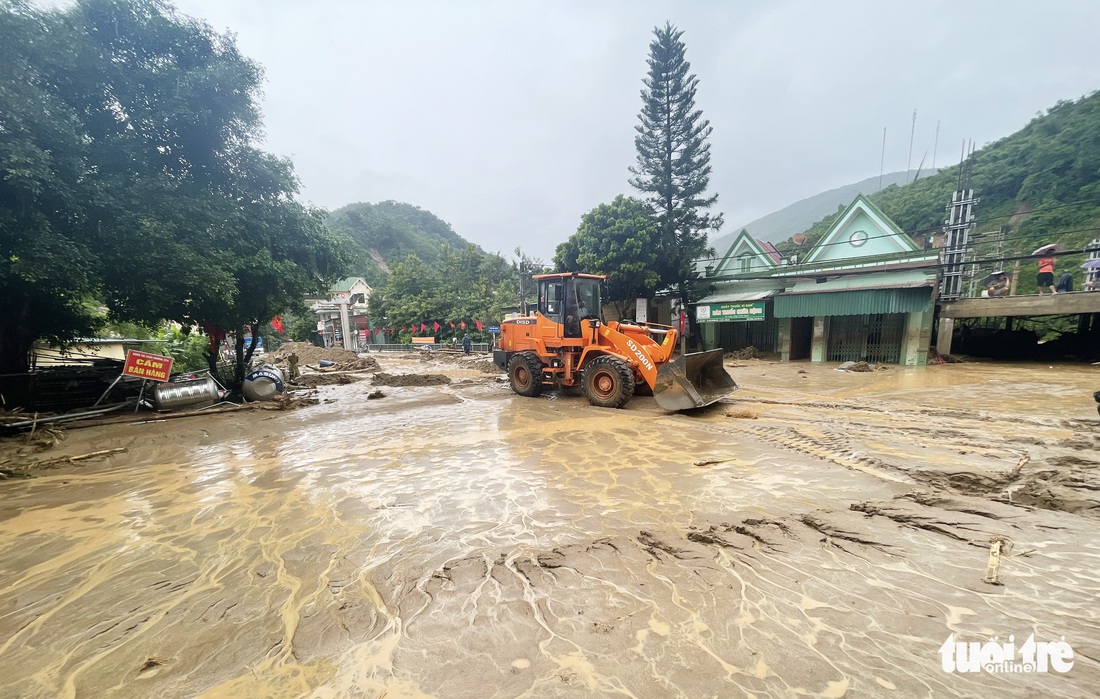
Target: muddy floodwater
818 534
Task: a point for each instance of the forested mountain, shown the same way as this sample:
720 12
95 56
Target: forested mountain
802 214
1041 184
387 232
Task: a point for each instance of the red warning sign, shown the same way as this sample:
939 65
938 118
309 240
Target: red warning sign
147 366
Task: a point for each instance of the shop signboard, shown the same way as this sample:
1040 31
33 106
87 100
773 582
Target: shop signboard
732 311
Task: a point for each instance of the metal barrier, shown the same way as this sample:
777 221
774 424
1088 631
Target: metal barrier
479 347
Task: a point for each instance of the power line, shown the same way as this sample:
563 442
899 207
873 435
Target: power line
911 234
934 229
998 258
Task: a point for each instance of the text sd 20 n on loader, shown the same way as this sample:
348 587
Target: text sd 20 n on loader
564 343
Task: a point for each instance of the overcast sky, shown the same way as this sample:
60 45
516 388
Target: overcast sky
511 119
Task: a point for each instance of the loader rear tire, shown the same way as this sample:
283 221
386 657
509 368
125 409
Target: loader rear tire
525 374
608 382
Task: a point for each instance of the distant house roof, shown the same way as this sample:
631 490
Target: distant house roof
347 284
762 256
772 252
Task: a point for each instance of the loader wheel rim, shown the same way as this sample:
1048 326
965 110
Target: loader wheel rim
522 376
603 384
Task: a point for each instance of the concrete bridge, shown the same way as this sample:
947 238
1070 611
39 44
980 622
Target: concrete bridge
1085 304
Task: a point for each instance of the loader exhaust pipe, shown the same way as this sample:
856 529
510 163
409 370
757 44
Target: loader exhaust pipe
692 381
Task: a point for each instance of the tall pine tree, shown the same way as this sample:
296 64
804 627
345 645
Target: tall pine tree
673 168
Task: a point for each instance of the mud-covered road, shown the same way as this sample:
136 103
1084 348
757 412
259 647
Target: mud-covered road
819 534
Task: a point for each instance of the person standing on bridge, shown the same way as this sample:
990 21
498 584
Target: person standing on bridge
1046 275
1065 282
999 286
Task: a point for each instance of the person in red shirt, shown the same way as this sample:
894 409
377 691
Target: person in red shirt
1046 275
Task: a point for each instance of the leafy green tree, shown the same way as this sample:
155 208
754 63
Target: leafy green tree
673 166
128 174
523 268
463 285
44 281
619 240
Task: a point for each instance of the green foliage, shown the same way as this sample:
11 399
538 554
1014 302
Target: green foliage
618 240
128 174
387 232
1041 184
673 167
464 284
300 323
187 349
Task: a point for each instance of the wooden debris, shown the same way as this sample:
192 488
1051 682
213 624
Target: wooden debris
997 546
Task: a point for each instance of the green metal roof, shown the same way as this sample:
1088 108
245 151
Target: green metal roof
345 284
854 302
733 294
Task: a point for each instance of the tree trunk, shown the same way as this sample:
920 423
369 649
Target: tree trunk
16 341
691 328
243 355
238 372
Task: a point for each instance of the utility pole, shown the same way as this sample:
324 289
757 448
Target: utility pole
882 158
912 132
957 231
935 145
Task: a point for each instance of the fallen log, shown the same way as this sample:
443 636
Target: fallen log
160 416
53 463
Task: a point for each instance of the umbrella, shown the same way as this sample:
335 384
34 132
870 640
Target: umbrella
988 279
1092 264
1049 247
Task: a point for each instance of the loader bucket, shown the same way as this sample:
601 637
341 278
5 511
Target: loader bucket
692 381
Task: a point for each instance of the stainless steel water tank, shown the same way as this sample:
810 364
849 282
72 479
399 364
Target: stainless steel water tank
264 383
178 394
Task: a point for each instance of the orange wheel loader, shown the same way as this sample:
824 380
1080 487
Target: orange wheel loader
565 343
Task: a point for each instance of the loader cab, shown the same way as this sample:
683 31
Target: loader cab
570 300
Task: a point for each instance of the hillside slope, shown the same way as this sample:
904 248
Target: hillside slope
1040 184
802 214
386 232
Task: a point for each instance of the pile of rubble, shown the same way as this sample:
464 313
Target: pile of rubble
749 352
461 360
312 355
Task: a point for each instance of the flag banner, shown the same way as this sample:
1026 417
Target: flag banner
478 324
277 323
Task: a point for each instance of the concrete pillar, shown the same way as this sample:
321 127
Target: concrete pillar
709 332
345 325
819 348
918 338
943 340
783 341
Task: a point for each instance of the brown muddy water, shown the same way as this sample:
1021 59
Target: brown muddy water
819 534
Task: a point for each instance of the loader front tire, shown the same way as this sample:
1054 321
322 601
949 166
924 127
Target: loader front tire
525 374
608 382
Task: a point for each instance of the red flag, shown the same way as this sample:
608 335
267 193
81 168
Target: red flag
478 324
452 325
462 325
277 323
435 326
423 328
